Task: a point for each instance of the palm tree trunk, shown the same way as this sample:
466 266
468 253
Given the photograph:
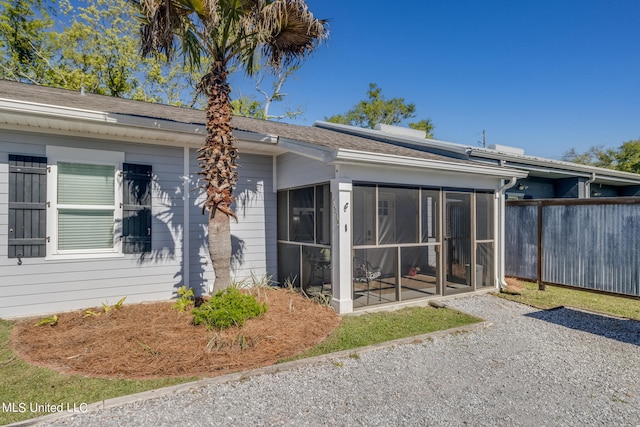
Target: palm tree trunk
219 241
217 162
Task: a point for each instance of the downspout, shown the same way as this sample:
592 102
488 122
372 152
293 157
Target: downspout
508 185
587 186
500 195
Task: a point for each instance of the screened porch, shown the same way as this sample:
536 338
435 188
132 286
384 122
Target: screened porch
407 242
417 242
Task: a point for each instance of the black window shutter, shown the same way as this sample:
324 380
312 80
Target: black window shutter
27 206
136 209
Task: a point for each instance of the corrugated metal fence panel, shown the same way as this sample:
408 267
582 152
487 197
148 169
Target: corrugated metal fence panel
521 241
592 246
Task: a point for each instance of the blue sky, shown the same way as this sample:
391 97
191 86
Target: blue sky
544 75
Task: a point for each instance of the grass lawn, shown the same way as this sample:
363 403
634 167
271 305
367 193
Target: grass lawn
555 296
374 328
27 384
24 383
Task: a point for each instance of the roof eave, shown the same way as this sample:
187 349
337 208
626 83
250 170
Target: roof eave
556 166
388 137
346 156
307 149
20 115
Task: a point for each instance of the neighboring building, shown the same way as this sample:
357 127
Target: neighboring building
547 178
99 199
587 244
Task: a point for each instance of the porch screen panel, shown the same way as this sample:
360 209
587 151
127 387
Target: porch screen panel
484 216
316 266
430 216
458 236
397 215
484 264
364 209
301 215
323 215
418 268
289 264
375 275
283 215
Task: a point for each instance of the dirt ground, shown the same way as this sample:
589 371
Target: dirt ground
154 340
513 285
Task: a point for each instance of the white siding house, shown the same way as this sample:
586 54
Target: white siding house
99 199
84 261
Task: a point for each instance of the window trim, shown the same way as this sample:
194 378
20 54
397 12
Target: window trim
57 154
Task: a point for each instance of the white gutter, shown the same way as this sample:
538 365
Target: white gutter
518 161
502 210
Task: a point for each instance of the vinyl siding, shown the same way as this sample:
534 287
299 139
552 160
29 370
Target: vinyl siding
253 237
299 171
41 286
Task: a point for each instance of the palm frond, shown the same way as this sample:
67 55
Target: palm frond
163 22
289 31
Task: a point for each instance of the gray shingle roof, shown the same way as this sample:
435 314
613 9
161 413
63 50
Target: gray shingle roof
321 137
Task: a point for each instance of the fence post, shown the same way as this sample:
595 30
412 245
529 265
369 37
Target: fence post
541 286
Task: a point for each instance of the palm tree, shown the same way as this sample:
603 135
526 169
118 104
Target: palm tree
228 33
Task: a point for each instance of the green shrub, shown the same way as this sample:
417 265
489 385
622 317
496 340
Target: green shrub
228 307
185 300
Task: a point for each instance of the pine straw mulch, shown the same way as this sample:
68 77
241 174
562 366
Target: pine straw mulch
142 341
513 286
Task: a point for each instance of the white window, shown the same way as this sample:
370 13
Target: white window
84 198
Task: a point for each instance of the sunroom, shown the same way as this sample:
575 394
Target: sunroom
390 228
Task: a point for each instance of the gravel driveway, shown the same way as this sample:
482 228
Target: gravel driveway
528 368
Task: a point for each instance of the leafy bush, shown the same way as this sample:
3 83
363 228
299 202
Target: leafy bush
185 300
228 307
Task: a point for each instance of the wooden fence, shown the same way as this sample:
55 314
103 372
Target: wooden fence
585 243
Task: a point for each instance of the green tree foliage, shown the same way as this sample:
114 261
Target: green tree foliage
424 125
248 106
24 40
95 46
595 156
377 109
625 158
